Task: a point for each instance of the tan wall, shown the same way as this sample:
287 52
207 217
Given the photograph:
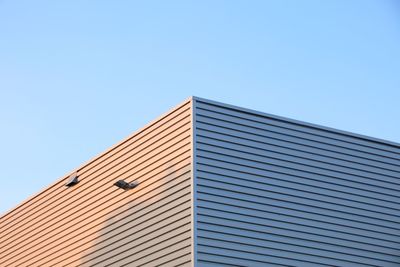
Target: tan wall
96 224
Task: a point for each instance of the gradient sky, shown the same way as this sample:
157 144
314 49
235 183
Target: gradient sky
78 76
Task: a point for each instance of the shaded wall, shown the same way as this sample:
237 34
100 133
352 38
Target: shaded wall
276 192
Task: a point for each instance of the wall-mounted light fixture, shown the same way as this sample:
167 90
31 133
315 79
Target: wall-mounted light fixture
126 186
73 180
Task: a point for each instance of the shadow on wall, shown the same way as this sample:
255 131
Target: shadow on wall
131 231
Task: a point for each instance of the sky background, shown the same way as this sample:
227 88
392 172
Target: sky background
78 76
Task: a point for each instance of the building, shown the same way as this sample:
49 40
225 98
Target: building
218 185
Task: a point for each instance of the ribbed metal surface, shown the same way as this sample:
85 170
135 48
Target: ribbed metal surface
277 192
267 191
96 224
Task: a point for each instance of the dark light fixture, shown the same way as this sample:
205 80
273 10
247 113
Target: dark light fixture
73 180
126 186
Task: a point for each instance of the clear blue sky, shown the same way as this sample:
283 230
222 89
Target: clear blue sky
78 76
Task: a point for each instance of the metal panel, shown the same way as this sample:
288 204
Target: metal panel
272 191
96 224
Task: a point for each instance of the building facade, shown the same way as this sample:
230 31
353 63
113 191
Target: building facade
218 185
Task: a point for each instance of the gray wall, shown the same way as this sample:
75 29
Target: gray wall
277 192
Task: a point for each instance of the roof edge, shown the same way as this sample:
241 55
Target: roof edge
299 122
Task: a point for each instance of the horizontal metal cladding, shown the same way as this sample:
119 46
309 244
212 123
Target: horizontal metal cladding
276 192
96 224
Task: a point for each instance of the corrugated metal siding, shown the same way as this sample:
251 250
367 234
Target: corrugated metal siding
96 224
276 192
